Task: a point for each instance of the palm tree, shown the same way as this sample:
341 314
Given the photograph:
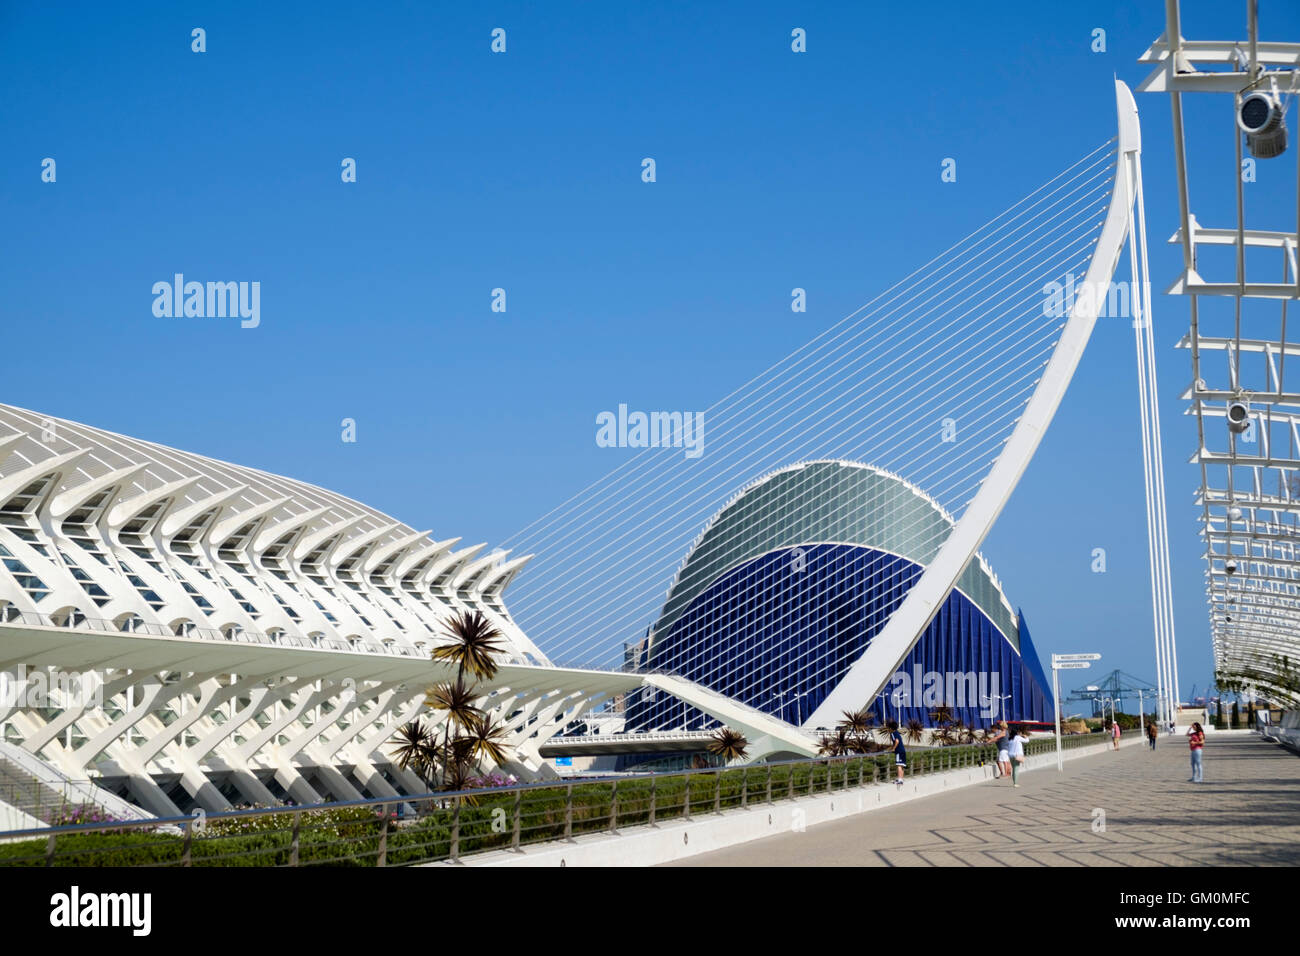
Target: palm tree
457 700
487 739
915 731
728 744
475 645
942 714
961 733
417 750
859 722
865 745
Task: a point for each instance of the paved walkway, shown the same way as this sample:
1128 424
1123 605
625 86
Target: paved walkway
1247 813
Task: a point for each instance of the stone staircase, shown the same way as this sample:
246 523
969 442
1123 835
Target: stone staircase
21 791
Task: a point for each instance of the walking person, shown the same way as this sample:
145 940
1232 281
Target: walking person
1152 734
1003 766
1196 741
900 752
1016 754
1114 732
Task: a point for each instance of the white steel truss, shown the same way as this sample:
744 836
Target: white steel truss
1239 280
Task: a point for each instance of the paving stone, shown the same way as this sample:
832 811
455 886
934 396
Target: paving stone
1246 813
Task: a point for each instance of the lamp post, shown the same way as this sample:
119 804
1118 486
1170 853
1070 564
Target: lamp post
1104 701
988 701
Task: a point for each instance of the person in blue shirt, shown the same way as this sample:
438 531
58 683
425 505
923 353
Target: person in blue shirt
900 752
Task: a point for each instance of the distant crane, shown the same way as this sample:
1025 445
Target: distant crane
1117 685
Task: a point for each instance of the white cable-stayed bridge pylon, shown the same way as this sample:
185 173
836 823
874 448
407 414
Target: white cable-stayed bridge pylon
936 381
887 650
1162 602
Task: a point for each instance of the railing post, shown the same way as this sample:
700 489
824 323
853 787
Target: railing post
654 779
514 834
790 780
381 858
455 831
744 787
189 836
293 845
686 804
861 767
717 791
568 813
613 808
769 783
49 851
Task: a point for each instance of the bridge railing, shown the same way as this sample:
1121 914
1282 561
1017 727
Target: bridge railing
447 826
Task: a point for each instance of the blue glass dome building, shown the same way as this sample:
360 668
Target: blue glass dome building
788 584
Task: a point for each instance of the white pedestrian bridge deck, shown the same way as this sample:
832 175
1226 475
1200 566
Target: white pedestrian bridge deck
1127 808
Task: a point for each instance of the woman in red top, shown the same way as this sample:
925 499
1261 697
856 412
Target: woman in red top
1196 740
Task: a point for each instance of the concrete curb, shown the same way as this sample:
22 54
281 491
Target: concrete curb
676 839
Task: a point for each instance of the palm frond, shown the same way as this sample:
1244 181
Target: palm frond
416 749
487 738
728 744
915 731
474 644
457 700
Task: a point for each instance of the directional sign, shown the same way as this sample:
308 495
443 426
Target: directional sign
1069 665
1076 657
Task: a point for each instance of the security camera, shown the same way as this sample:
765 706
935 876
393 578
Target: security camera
1238 416
1228 618
1263 120
1230 566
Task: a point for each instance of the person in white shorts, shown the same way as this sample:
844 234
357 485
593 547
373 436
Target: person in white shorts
1016 751
1003 741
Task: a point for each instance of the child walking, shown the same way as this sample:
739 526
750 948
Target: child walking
900 752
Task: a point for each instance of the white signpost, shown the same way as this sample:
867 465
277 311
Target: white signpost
1066 662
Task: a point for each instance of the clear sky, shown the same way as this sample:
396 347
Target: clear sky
522 171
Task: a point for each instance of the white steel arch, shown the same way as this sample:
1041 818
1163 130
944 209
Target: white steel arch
868 674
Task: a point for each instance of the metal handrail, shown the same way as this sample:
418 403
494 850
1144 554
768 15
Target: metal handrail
449 823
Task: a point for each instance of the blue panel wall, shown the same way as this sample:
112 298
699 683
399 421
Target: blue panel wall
780 631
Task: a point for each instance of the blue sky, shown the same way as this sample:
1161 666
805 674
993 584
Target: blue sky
522 171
